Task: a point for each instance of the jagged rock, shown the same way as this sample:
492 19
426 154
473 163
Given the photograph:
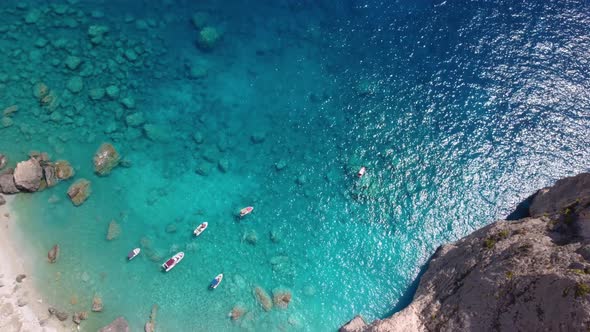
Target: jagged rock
509 276
28 175
49 175
263 298
53 254
114 230
20 277
96 304
357 324
3 161
105 159
7 185
79 191
281 298
118 325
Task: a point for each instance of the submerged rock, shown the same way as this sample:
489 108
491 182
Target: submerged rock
250 237
79 191
118 325
281 298
78 317
105 159
263 298
63 169
53 254
150 325
28 175
114 230
236 312
96 304
208 38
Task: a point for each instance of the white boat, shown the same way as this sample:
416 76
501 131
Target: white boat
131 255
246 210
202 227
216 281
173 261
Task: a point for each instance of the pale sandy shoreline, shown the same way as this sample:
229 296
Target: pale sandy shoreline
22 308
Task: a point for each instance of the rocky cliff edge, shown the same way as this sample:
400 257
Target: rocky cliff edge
529 275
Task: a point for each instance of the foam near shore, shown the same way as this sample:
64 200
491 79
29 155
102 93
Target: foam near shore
21 306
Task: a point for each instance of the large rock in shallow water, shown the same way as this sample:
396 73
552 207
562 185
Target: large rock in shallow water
79 191
105 159
118 325
28 175
7 185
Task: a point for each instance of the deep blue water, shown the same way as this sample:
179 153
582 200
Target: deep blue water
458 109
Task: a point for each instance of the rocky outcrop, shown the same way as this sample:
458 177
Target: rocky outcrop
118 325
79 191
53 254
105 159
7 185
28 175
529 275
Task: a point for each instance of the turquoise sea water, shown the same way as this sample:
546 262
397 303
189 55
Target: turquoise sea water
458 109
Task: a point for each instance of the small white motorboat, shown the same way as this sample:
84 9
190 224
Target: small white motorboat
131 255
202 227
216 281
361 172
173 261
246 211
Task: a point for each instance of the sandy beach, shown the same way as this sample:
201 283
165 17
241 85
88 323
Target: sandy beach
21 306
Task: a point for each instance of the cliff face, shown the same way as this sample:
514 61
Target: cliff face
530 275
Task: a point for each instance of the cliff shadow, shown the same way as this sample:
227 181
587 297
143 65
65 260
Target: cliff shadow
408 294
522 209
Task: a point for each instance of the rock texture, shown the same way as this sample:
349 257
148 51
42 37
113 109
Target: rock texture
79 191
7 185
105 159
529 275
118 325
28 175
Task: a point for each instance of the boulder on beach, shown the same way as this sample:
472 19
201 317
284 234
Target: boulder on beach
105 159
96 304
114 230
263 298
49 175
281 298
2 200
79 191
53 254
7 185
118 325
28 175
78 317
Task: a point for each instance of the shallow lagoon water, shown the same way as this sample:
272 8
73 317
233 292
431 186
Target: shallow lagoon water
459 110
